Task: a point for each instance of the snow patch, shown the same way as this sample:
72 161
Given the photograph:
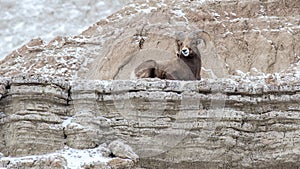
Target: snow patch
227 33
180 13
262 9
75 158
67 122
216 15
148 10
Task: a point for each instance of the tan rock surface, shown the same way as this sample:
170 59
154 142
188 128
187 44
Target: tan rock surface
233 123
34 109
244 121
245 35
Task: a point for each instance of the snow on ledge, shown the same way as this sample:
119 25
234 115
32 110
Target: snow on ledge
75 158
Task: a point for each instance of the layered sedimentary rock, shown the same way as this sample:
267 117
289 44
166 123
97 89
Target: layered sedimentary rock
208 124
250 36
35 121
52 107
33 110
243 122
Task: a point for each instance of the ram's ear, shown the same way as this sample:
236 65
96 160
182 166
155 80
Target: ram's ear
178 43
177 46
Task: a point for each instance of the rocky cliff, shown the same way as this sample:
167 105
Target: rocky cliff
248 36
221 123
37 129
70 103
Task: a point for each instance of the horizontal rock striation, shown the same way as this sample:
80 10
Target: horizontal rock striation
35 121
33 110
244 35
72 95
212 123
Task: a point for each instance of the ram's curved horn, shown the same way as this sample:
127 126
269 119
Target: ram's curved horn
201 34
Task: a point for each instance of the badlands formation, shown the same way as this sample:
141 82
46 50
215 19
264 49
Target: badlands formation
74 102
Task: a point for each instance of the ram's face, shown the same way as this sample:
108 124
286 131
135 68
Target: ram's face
187 47
184 47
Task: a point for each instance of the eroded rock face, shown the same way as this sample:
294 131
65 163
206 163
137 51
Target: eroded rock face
245 35
34 109
213 123
234 123
244 121
36 121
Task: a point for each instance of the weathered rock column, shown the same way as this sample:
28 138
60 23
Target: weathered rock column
34 108
87 127
3 91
